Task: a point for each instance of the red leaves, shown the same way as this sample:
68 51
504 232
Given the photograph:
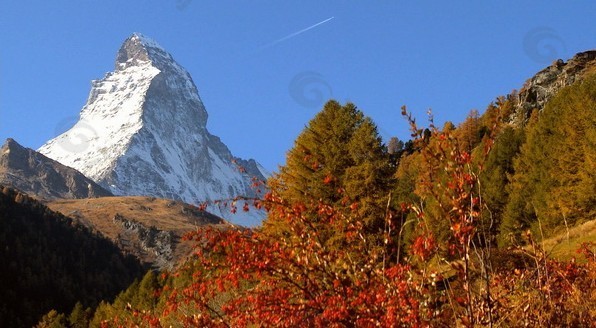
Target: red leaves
202 206
336 283
424 246
295 281
464 158
315 165
239 167
588 250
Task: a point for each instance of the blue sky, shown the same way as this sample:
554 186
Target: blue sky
449 56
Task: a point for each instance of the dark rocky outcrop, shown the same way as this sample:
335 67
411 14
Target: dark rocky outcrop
541 87
37 175
149 239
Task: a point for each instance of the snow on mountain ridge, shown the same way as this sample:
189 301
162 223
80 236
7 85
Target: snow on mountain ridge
146 41
93 137
143 132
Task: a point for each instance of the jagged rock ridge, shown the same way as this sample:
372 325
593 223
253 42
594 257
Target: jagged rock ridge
541 87
37 175
143 132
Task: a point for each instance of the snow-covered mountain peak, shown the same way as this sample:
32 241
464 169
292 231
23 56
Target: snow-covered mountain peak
145 41
143 131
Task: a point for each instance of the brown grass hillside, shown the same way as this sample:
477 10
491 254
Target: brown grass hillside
563 245
147 227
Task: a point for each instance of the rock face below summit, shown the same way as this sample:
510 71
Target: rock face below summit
541 87
143 132
35 174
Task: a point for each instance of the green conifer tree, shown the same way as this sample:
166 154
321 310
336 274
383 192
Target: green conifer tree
79 317
338 156
52 319
145 297
494 178
554 181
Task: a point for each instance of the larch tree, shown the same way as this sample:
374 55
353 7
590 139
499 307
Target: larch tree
468 133
494 179
339 159
554 178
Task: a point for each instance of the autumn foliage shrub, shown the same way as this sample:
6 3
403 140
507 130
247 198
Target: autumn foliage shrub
548 293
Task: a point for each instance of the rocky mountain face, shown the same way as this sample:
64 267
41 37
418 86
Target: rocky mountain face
143 131
541 87
37 175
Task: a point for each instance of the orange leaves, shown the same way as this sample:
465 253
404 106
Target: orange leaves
297 280
588 250
461 301
239 167
336 283
315 165
202 206
462 230
424 246
464 158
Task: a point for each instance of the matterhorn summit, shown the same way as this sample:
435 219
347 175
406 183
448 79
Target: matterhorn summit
143 131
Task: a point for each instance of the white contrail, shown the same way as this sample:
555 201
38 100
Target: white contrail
289 36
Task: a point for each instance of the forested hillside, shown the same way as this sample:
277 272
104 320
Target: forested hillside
553 181
538 175
50 262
